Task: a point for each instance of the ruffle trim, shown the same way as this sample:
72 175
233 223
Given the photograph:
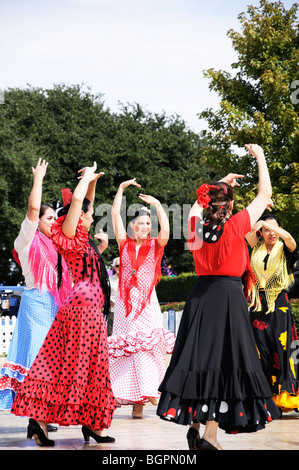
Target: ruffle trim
9 383
286 401
65 404
233 416
64 245
12 375
203 385
125 345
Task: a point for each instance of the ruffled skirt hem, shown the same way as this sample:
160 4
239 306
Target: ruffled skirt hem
286 402
233 416
11 378
126 345
65 405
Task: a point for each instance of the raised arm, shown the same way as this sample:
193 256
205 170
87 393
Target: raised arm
71 221
195 211
104 241
163 235
117 222
261 201
280 232
91 190
35 198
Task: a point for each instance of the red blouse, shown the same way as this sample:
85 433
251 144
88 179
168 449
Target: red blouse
228 256
72 249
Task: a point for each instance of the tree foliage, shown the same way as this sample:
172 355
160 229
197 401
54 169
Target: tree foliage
257 106
71 128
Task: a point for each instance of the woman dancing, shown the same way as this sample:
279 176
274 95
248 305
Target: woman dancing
46 288
139 344
69 381
273 261
215 376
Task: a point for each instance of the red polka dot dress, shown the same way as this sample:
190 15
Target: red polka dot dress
69 382
139 343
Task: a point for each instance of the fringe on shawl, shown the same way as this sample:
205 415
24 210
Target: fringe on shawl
136 262
43 259
278 280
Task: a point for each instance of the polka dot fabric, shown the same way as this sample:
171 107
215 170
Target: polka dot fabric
139 343
69 381
35 317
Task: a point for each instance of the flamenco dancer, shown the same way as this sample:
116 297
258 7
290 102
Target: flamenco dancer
273 261
46 289
69 381
139 344
215 376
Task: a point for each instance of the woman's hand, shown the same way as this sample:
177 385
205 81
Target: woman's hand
89 170
257 226
231 179
149 199
270 205
131 182
104 239
255 150
40 170
96 176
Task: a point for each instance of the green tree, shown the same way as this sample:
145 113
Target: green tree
71 127
258 104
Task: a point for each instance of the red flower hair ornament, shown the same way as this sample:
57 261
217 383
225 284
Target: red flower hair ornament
203 197
66 196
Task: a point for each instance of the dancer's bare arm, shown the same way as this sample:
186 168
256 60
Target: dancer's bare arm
117 222
163 235
261 201
72 218
35 198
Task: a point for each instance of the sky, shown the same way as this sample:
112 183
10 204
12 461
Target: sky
150 52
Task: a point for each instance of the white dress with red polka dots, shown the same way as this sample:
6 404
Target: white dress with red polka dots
139 343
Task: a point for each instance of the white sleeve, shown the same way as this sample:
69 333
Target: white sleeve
26 235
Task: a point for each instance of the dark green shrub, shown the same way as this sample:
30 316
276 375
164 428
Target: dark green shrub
175 288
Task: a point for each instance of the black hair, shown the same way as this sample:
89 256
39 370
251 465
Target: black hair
102 275
100 267
64 210
220 199
140 212
43 209
42 212
270 216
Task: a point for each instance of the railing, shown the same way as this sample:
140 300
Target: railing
7 326
171 320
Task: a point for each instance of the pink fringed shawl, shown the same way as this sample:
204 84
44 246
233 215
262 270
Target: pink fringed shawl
43 261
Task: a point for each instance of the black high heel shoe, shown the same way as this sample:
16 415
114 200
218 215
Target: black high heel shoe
34 430
205 445
193 438
87 433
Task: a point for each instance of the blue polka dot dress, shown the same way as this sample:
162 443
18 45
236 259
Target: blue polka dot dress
35 317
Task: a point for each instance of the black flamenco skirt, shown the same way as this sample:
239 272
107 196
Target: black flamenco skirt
215 371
